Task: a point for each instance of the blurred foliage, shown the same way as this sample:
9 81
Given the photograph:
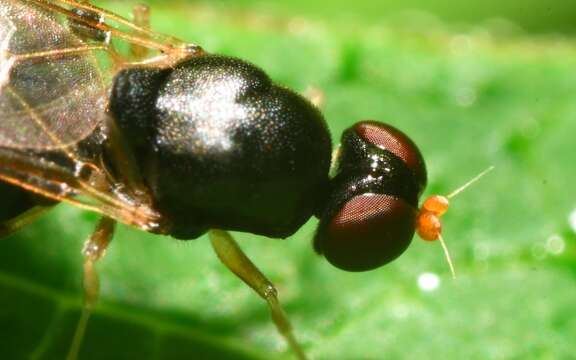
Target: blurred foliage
468 98
531 15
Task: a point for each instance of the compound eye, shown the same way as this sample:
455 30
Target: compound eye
395 141
369 231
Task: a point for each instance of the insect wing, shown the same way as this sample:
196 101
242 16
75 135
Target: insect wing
51 90
53 99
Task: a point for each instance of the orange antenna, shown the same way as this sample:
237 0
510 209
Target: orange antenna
428 225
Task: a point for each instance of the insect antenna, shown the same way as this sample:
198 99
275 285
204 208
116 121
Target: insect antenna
447 255
428 224
469 182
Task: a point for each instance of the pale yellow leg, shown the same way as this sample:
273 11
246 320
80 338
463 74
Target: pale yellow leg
20 221
94 250
234 258
141 14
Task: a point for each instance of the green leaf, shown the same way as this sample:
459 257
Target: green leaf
469 99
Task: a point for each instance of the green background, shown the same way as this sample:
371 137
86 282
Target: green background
471 91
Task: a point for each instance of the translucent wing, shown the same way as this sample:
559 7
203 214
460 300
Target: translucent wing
53 99
50 95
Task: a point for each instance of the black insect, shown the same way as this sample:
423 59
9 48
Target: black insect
182 142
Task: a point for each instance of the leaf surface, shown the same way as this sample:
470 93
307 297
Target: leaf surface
469 99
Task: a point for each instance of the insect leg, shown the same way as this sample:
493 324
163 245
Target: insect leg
16 223
315 96
124 164
141 14
234 258
94 250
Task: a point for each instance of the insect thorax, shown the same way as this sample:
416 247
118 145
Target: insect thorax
221 146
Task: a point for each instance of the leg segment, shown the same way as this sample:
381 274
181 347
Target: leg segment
141 14
232 256
315 96
94 249
16 223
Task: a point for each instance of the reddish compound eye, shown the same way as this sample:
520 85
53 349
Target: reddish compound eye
370 217
395 141
372 211
369 231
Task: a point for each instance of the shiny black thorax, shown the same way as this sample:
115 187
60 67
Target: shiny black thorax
220 146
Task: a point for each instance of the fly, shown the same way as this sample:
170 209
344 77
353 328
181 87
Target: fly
174 140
